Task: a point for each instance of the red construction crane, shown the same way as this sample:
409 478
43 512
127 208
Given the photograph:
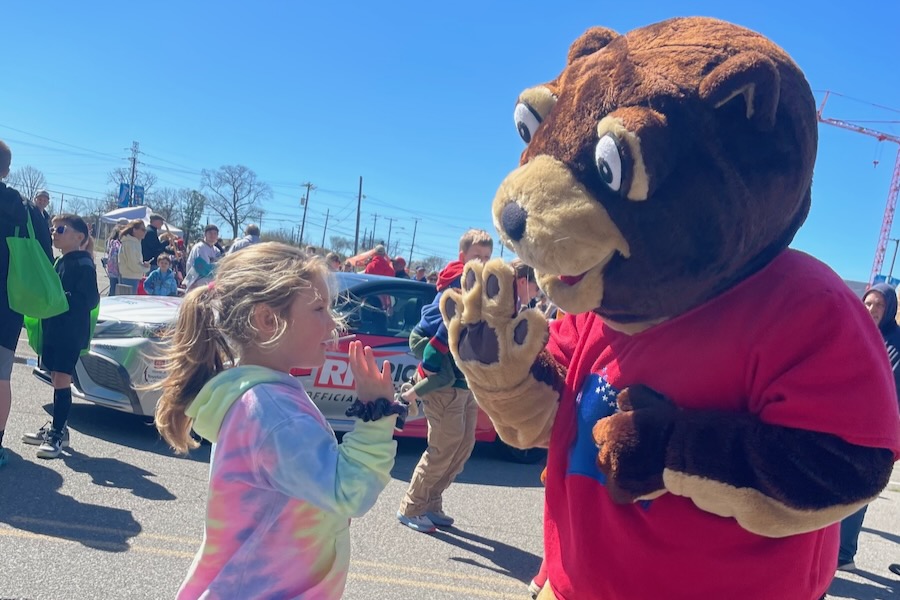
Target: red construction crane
893 192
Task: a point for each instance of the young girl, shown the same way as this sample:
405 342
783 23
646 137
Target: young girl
282 490
66 335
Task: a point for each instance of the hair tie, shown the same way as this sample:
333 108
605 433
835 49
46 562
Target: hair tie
211 286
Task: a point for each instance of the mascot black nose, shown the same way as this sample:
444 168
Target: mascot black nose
513 218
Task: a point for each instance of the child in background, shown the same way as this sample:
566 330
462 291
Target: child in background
66 335
161 280
428 340
282 490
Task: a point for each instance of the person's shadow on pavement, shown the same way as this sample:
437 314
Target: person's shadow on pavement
33 507
885 588
510 561
111 472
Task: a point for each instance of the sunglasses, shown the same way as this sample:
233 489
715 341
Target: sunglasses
59 229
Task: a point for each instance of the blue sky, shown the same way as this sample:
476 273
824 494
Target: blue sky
416 97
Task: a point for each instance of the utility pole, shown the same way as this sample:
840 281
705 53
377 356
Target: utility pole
62 200
324 229
305 203
390 226
134 153
413 244
374 225
358 208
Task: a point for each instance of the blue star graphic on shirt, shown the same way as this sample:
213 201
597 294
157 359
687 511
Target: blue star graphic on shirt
596 400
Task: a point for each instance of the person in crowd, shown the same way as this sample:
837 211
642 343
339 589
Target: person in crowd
881 302
151 245
311 251
348 267
132 266
113 245
432 277
14 214
527 290
333 261
379 263
161 281
251 236
202 259
268 311
65 336
400 267
42 201
448 404
420 273
176 253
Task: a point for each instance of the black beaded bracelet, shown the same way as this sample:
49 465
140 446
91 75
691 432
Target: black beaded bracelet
381 407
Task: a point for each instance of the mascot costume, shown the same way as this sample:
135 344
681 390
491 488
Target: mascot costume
713 402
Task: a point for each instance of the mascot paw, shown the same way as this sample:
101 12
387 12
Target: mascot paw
632 444
493 344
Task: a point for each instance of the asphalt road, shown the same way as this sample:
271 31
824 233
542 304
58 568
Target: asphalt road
119 516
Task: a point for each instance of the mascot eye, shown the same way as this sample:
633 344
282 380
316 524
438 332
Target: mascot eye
609 159
527 121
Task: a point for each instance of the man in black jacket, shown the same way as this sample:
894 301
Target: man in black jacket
14 212
151 246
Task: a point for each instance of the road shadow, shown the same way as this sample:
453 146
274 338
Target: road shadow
30 501
881 588
891 537
505 559
484 467
113 473
122 429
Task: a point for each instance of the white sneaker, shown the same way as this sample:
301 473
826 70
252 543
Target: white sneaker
52 446
421 523
40 436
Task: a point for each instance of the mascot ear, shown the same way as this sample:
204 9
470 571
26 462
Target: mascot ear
592 40
751 75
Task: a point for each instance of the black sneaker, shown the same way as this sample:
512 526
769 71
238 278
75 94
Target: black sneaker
52 446
40 436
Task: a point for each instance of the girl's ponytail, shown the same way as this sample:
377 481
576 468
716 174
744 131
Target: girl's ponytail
197 352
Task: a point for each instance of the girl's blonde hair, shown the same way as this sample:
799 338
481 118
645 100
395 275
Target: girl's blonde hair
215 324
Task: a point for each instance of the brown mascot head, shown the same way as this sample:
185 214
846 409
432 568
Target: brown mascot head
663 166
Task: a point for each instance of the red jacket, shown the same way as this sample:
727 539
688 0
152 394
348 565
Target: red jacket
380 265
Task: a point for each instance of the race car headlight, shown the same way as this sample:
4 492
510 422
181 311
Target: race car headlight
129 329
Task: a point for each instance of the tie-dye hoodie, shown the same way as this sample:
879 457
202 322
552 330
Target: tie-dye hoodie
281 490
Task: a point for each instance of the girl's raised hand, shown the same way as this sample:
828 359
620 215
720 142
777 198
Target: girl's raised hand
371 383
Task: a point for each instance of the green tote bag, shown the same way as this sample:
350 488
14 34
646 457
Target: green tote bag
33 286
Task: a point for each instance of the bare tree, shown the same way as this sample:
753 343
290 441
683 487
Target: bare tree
143 178
191 205
285 236
27 180
234 193
341 245
165 202
433 263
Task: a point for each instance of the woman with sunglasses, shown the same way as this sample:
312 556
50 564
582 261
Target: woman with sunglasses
66 335
132 266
